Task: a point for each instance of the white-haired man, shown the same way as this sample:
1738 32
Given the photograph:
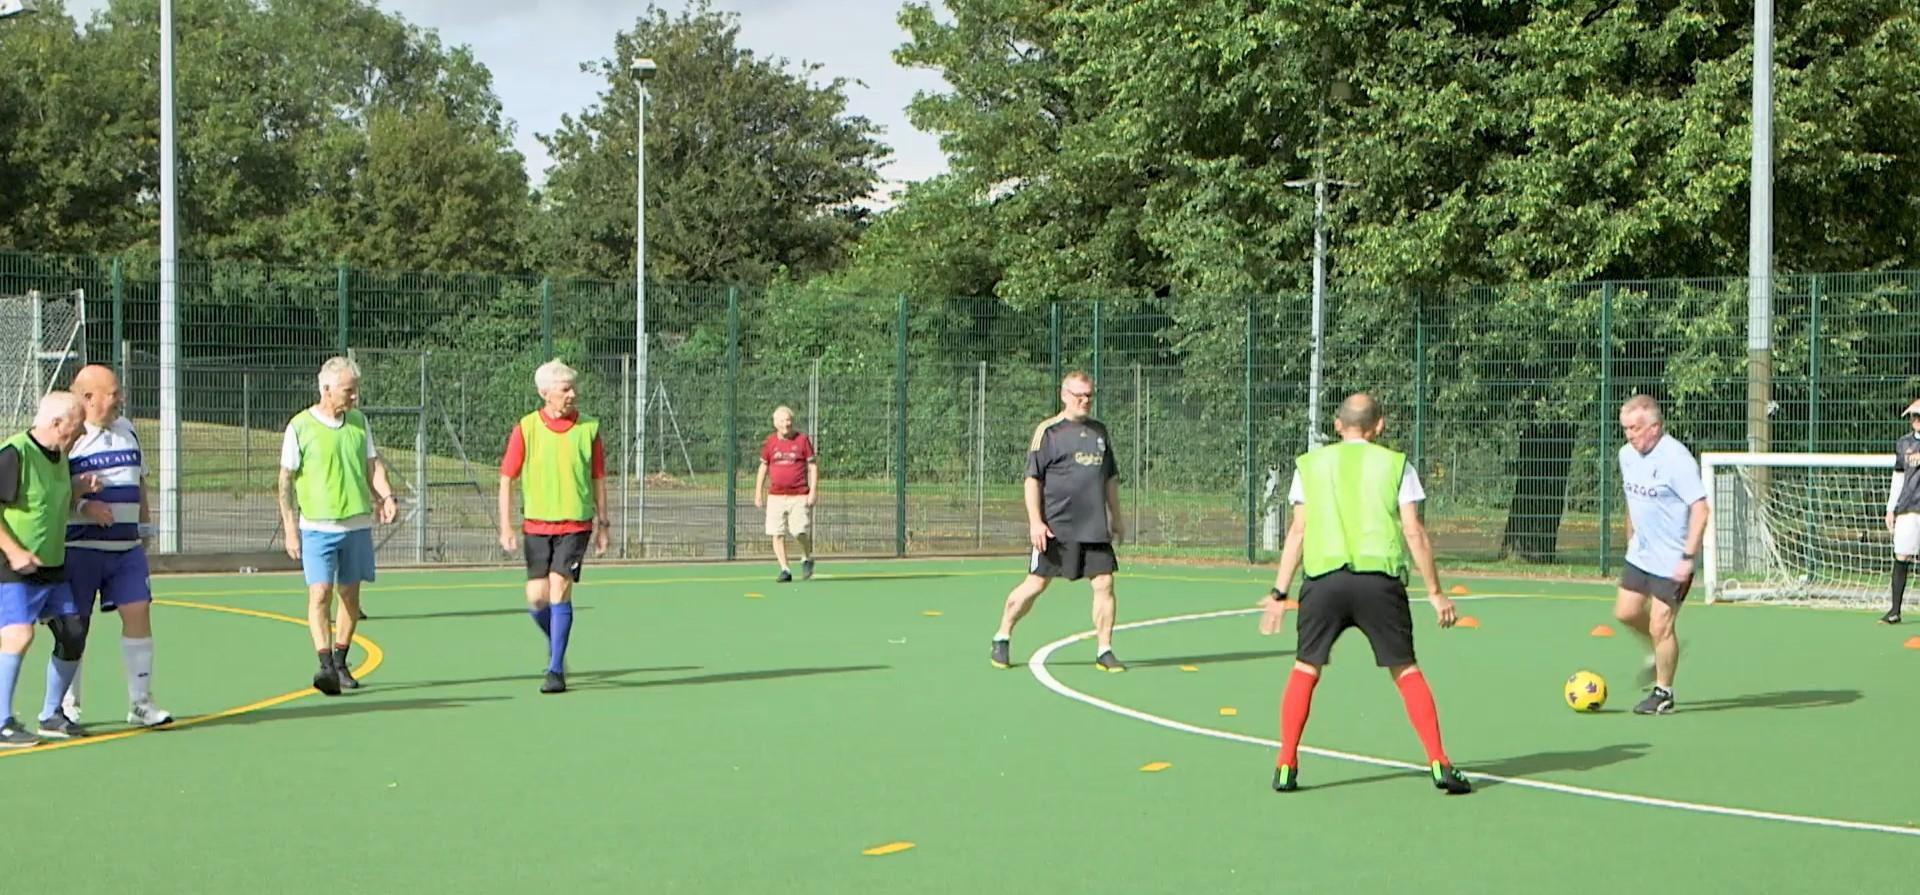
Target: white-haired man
332 480
790 476
1666 520
36 491
556 454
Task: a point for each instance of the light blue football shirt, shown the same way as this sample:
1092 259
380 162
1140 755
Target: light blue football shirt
1661 485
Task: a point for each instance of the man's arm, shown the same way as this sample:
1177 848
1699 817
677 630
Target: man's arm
506 513
759 483
1037 530
1422 551
289 529
602 523
813 481
1276 608
386 509
1116 520
1696 532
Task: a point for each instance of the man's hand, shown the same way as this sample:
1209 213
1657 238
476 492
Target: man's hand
1889 521
388 509
96 512
759 500
1118 527
292 539
811 497
1683 576
86 483
1442 608
23 562
1275 612
507 540
1038 534
600 537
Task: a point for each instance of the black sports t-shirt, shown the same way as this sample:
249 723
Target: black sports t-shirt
1906 461
1073 462
9 492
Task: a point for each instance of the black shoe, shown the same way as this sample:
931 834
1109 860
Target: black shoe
360 615
1110 663
1659 702
785 577
1891 618
1286 778
61 727
1002 655
326 681
806 569
1451 781
13 736
347 681
555 683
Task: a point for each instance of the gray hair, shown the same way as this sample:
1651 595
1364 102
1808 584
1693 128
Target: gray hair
1359 411
336 368
551 374
1644 404
56 406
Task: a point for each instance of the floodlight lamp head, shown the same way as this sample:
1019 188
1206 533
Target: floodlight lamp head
10 8
643 69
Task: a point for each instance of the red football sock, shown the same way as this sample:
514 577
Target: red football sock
1420 711
1293 715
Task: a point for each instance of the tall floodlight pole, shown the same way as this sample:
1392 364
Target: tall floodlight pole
1760 237
170 458
643 70
1319 327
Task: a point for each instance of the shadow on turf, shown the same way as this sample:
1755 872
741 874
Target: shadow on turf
732 677
463 613
1780 699
882 576
1516 766
575 680
1245 656
343 706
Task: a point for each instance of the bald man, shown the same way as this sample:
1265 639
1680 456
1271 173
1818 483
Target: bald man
35 495
106 534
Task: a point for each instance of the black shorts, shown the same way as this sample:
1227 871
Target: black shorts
1073 560
563 554
1666 590
1370 601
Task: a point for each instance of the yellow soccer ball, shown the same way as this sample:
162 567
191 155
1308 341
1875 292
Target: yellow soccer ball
1586 692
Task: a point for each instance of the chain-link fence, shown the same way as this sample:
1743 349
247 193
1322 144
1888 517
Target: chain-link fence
922 408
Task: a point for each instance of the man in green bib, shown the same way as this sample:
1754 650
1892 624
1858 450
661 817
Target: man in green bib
1354 502
36 493
556 454
332 480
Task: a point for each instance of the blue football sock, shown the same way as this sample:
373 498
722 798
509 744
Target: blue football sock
9 676
557 642
544 618
59 677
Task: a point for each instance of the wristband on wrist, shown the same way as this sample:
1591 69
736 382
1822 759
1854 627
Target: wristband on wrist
1277 594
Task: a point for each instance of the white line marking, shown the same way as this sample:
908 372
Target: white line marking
1038 664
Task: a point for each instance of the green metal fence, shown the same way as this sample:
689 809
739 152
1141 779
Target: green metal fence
922 408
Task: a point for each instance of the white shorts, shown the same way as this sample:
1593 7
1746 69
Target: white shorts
1906 534
788 514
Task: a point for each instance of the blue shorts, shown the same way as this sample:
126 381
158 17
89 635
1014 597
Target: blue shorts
22 603
337 557
118 576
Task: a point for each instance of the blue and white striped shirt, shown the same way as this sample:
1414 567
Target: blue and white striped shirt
113 454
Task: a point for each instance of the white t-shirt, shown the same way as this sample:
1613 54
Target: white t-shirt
290 461
1410 489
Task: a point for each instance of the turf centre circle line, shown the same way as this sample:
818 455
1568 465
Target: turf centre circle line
1038 665
374 658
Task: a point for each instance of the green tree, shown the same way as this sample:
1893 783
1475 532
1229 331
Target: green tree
752 169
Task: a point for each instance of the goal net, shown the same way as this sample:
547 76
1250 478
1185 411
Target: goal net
1808 528
41 346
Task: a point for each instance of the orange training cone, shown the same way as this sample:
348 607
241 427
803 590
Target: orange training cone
1468 621
1458 590
1913 643
1601 631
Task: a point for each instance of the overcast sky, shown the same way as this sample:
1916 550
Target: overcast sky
534 49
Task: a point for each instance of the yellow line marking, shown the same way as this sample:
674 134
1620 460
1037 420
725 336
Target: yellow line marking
1227 711
1155 767
888 849
932 613
374 658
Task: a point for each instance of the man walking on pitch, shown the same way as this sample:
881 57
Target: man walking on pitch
36 492
1903 510
1666 519
106 534
1354 502
556 454
787 459
1073 519
332 480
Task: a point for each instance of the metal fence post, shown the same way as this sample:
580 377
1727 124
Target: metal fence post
1096 359
341 321
1813 365
420 467
1420 384
1605 402
120 321
733 416
626 455
900 433
546 318
1053 340
1247 409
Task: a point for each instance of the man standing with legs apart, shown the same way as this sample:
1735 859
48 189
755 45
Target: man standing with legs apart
556 453
1666 519
1354 502
36 493
1073 519
106 550
787 459
332 479
1903 510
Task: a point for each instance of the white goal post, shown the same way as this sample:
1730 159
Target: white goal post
42 344
1799 528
